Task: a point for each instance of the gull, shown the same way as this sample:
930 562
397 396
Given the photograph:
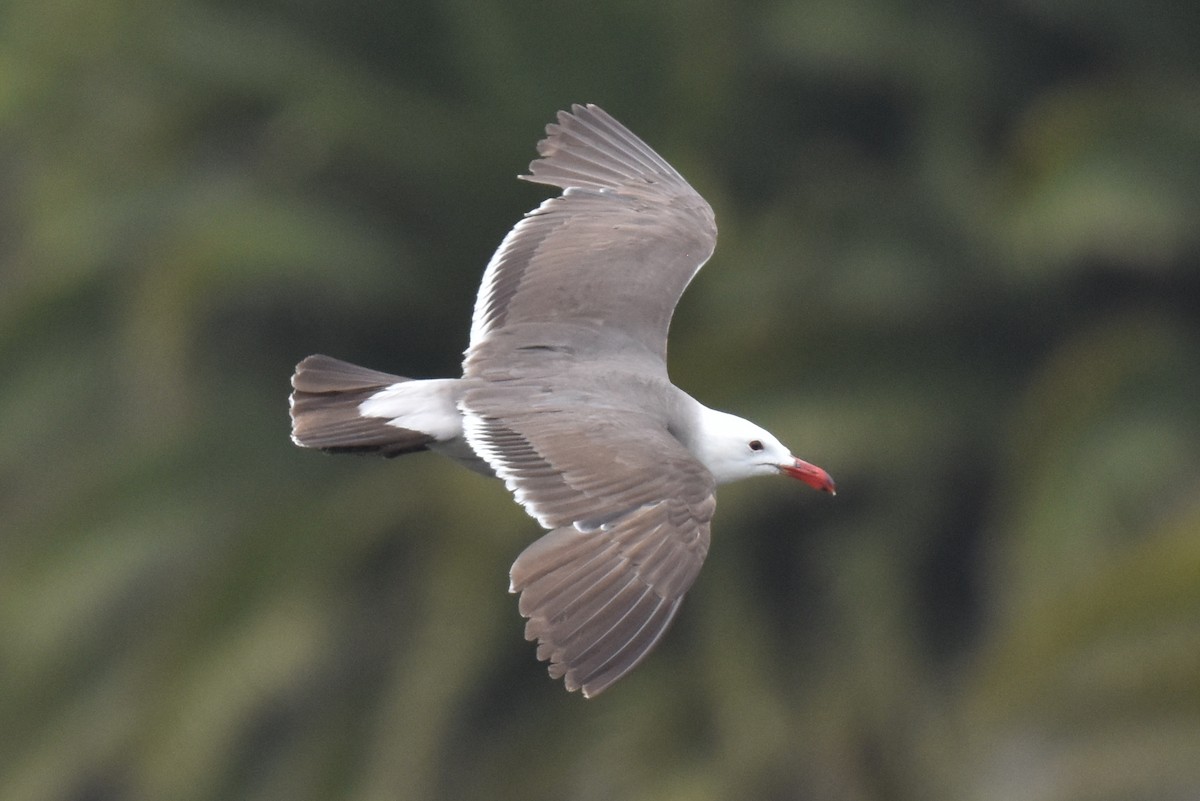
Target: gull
564 396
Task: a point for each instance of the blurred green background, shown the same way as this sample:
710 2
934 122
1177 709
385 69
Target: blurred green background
959 267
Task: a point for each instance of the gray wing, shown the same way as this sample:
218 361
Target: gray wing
616 249
629 511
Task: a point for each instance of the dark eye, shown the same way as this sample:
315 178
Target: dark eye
755 445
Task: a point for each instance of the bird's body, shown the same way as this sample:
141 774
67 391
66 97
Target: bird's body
565 397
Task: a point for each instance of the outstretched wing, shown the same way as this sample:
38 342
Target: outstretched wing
617 248
629 508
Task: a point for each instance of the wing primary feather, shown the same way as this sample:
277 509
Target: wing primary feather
590 662
605 599
631 655
537 597
599 119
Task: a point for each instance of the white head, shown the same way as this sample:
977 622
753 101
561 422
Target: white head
733 448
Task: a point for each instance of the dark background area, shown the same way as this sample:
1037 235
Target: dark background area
959 267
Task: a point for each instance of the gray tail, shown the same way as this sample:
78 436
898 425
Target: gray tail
325 413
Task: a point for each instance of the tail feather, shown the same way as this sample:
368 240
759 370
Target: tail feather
325 410
323 374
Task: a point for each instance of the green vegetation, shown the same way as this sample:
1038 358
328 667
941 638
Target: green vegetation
959 267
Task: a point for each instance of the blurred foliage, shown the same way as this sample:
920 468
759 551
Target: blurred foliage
959 267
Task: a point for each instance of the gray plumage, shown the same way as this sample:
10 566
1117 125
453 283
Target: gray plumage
565 397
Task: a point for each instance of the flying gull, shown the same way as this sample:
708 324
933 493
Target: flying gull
565 396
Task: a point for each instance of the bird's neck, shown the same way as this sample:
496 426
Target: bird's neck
710 440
